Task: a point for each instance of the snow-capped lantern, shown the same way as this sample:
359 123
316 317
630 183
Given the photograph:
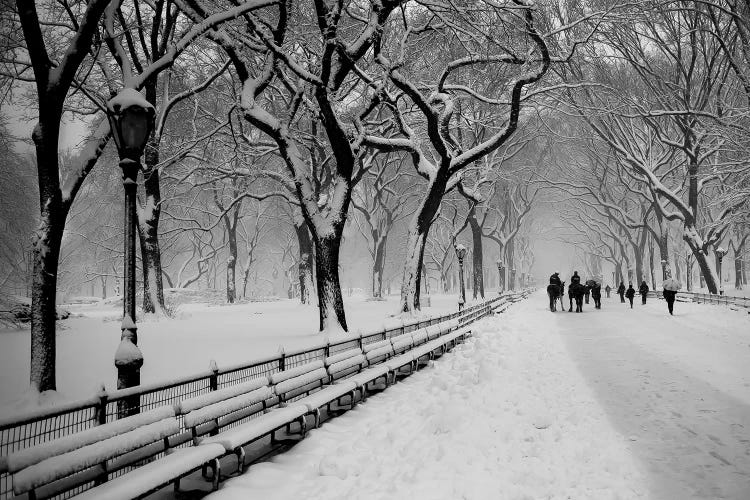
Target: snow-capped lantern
131 118
460 252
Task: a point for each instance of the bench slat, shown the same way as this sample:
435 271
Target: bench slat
188 405
227 406
295 372
301 380
59 466
30 456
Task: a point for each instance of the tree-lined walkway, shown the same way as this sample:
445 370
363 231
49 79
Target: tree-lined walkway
678 388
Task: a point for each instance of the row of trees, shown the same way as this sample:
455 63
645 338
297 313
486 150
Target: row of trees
302 103
661 151
293 120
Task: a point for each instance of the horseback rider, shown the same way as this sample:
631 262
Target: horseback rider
575 279
555 279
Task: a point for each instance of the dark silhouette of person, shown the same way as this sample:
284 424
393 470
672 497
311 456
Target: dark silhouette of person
670 296
607 289
621 292
643 290
630 293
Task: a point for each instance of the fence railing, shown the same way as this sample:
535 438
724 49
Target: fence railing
712 298
36 427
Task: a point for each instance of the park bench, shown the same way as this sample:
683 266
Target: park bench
77 460
145 446
376 353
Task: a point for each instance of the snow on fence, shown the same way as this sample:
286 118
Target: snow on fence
43 425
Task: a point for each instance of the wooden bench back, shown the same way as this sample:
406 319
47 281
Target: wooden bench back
208 412
345 363
299 380
72 461
379 351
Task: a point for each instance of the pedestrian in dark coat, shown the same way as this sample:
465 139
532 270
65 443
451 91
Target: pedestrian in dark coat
607 289
630 293
621 292
643 290
669 296
596 294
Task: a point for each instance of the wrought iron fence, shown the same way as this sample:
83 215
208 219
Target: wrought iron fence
712 298
44 425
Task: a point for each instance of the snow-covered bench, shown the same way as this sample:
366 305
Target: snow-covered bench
210 412
75 460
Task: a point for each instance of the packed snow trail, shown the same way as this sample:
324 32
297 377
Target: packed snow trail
506 415
677 387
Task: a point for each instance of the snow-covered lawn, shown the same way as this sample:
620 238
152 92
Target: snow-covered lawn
229 334
506 415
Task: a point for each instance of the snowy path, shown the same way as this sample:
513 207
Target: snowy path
677 387
505 416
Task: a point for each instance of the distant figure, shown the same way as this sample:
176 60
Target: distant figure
621 292
607 289
643 290
575 279
669 296
630 293
596 294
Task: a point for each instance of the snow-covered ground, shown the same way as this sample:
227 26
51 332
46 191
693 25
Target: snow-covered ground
678 388
616 403
229 334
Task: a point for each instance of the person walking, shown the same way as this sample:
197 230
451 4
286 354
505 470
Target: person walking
621 292
670 296
607 289
630 293
643 290
670 292
596 294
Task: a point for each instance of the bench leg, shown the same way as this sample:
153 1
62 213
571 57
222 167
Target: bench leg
240 452
303 424
216 466
317 418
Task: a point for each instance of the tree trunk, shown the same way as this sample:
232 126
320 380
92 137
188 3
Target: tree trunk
148 222
738 265
231 266
47 241
707 274
305 264
510 251
378 265
330 301
651 265
419 227
477 255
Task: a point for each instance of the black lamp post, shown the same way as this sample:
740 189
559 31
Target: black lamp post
461 253
131 119
720 253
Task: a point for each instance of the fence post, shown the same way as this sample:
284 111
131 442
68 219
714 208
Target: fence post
282 358
101 411
213 379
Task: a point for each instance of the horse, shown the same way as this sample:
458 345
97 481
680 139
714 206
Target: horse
555 292
576 291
